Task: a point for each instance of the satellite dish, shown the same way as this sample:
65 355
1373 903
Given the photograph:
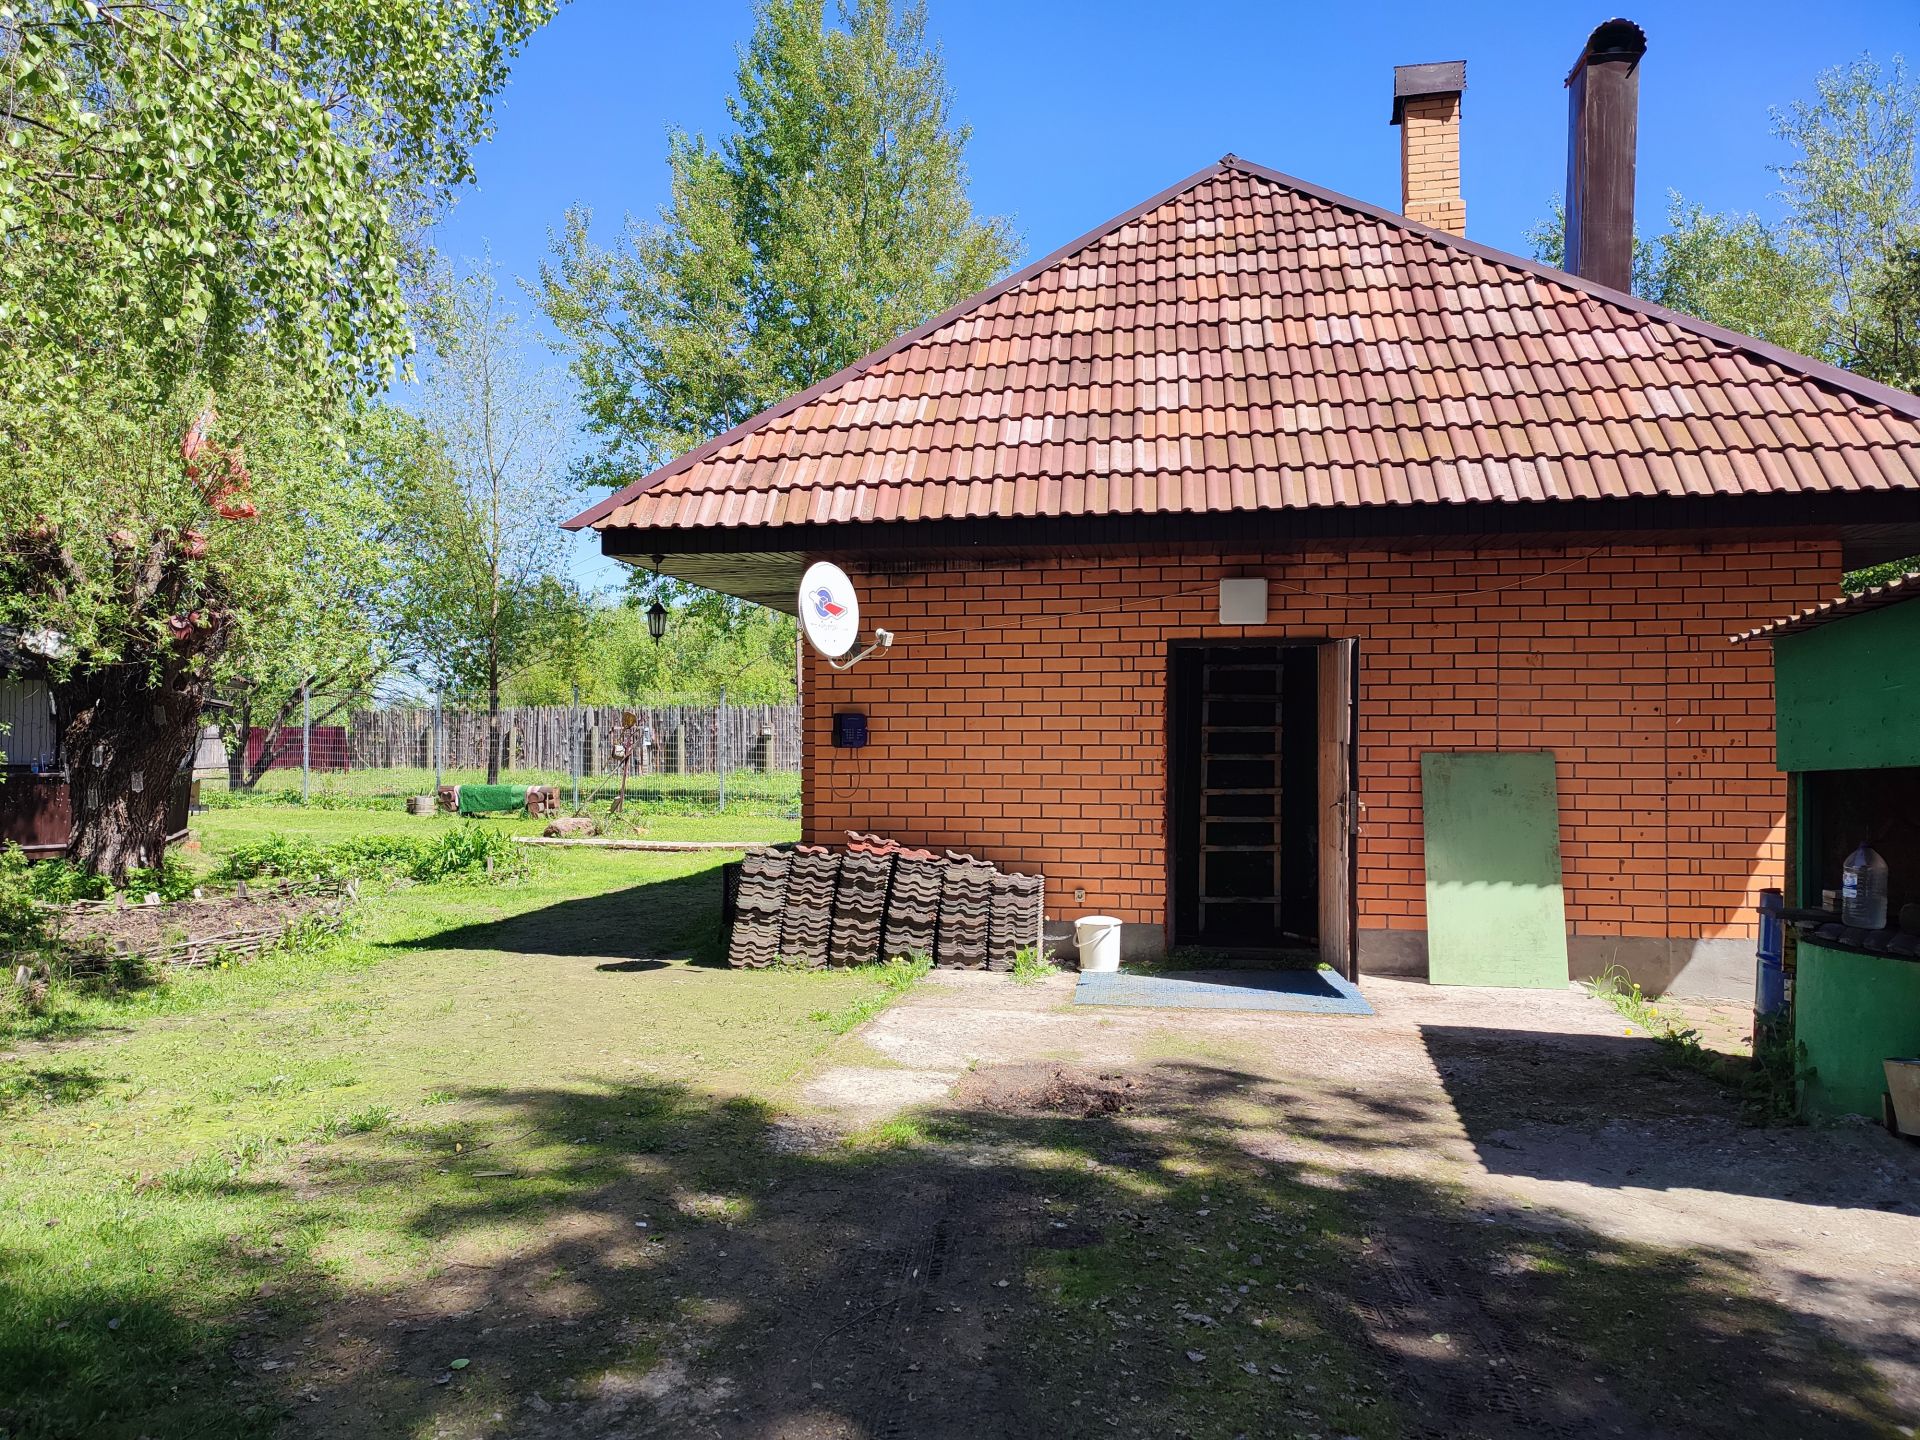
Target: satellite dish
829 610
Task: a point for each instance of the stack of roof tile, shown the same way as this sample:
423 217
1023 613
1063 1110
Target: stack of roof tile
859 907
1018 909
913 904
966 896
806 919
755 941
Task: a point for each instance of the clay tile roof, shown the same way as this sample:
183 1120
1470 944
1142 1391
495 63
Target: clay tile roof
1895 591
1247 341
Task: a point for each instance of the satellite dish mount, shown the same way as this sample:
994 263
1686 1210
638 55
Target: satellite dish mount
830 616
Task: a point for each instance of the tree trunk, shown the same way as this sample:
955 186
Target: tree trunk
493 725
124 741
236 744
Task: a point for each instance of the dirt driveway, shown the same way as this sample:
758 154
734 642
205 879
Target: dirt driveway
1543 1109
993 1214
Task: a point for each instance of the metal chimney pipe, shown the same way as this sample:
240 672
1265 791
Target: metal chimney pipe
1603 104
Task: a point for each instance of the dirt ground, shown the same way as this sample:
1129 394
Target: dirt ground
1476 1213
1544 1104
147 929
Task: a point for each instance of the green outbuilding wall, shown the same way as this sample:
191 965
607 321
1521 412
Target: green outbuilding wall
1847 694
1852 1012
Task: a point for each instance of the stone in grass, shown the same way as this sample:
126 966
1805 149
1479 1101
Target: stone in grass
573 826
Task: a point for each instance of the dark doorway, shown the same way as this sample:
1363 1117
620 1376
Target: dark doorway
1243 759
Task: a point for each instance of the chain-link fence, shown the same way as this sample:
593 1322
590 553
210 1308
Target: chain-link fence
665 739
680 757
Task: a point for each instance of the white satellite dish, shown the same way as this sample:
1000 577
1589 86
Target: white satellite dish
829 609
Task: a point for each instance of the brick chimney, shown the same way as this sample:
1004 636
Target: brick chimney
1426 107
1603 109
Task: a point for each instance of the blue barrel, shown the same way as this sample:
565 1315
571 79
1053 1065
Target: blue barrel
1770 978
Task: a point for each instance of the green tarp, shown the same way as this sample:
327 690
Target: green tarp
484 799
1496 914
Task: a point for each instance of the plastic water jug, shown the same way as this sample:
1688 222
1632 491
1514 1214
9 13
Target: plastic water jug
1863 890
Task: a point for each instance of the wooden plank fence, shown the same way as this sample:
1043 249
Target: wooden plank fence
675 739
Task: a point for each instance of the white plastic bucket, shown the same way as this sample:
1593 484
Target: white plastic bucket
1098 937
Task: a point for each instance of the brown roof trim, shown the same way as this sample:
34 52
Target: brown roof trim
867 362
1815 370
1894 592
1892 516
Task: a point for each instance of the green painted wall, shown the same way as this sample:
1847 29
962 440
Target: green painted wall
1852 1012
1847 695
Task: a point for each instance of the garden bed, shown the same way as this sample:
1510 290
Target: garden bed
198 931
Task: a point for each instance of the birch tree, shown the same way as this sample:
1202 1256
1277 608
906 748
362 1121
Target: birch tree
488 592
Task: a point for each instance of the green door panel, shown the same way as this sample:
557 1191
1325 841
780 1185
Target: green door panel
1496 914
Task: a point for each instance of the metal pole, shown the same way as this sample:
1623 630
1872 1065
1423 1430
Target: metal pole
720 725
439 744
306 737
573 737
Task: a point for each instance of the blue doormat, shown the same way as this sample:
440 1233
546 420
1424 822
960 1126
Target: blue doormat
1312 992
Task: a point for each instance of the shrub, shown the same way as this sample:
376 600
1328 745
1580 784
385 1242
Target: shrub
287 856
458 854
22 925
170 880
26 885
466 853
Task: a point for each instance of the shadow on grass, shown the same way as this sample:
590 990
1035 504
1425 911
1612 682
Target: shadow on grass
672 919
23 1085
1088 1258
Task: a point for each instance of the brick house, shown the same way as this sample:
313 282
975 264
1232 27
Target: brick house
1496 506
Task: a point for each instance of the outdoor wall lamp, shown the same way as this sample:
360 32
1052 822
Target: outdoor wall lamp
656 612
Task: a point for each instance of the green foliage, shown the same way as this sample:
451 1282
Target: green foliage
160 216
294 857
1873 575
208 200
833 217
482 562
22 923
748 649
335 618
1852 192
55 882
1032 964
1770 1091
469 852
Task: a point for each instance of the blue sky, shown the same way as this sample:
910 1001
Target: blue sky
1080 110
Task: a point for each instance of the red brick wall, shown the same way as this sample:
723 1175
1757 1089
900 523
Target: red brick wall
1020 714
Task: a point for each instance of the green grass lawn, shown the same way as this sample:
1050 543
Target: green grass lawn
225 827
525 1159
765 794
159 1154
